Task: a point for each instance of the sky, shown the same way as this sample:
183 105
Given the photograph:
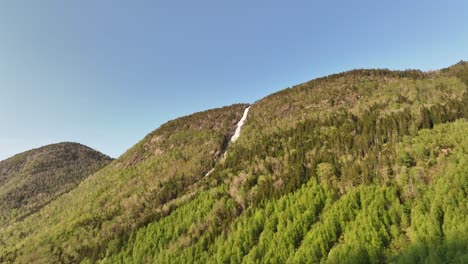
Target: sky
106 73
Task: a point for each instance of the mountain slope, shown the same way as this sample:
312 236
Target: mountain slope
338 169
347 180
144 184
30 180
368 224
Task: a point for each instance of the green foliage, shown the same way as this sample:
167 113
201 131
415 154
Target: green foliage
367 166
158 174
326 173
439 230
460 70
355 205
368 224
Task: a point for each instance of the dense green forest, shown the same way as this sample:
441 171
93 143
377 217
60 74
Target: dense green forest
366 166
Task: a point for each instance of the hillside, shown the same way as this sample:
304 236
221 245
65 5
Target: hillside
160 172
366 166
32 179
338 170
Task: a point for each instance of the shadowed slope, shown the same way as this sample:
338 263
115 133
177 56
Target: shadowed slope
30 180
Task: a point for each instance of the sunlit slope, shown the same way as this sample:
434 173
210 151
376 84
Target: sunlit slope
140 186
313 224
30 180
335 170
340 169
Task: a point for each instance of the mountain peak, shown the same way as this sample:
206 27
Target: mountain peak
31 179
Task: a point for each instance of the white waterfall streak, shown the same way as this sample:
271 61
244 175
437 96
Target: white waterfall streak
239 125
234 137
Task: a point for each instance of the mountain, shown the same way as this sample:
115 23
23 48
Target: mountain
365 166
160 172
34 178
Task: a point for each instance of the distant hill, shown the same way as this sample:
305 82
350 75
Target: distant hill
30 180
365 166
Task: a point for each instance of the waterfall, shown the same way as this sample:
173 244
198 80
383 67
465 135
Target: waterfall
239 125
235 136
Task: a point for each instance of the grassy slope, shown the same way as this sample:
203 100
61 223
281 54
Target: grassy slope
143 184
30 180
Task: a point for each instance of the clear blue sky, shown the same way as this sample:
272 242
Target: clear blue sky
106 73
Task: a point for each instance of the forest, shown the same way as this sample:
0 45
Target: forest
366 166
